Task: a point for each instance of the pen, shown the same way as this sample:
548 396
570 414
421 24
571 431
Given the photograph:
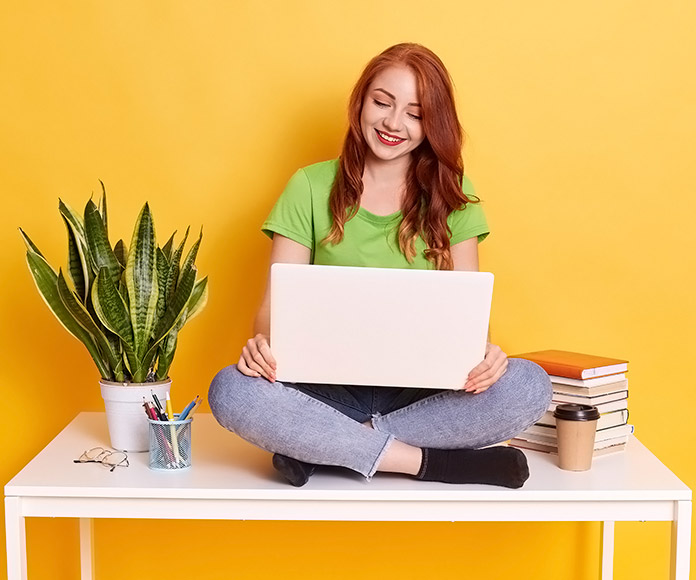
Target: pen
158 410
188 408
172 431
170 414
152 414
157 402
164 445
195 408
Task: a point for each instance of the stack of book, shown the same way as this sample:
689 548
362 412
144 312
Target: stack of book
588 380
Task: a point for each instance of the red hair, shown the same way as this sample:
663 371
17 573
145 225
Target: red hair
434 180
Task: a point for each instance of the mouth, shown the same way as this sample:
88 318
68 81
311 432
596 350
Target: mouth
388 139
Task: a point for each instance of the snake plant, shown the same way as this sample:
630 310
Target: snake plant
126 305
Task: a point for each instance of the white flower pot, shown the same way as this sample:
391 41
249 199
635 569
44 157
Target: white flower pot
125 415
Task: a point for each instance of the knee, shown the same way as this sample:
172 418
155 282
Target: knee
229 395
532 386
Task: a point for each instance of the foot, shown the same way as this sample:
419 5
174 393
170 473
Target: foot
504 466
295 471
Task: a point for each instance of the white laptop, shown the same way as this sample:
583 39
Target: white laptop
378 326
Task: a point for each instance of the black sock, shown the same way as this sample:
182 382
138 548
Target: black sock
295 471
504 466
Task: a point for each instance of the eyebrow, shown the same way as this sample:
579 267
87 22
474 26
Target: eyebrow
393 98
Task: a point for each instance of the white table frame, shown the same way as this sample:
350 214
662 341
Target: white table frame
628 486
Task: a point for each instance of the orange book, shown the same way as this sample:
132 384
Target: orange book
575 365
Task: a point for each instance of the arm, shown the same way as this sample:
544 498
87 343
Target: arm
256 358
465 257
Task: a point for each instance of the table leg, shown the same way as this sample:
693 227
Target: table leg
86 548
681 540
606 532
16 537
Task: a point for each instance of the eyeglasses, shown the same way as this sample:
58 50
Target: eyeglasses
108 458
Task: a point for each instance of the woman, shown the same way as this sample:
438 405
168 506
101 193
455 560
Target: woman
397 197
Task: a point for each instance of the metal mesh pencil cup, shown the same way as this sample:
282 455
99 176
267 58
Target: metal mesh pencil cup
170 444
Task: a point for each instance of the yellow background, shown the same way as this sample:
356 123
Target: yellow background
581 138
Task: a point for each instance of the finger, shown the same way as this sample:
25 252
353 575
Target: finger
244 369
253 365
479 369
488 377
485 385
265 350
259 360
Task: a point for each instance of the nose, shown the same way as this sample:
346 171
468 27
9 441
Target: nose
392 122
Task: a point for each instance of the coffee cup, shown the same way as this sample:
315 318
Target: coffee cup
576 426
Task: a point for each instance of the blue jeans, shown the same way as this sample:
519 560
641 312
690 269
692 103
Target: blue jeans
323 424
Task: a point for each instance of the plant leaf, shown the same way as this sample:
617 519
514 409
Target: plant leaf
141 280
112 312
192 253
198 300
98 243
117 347
102 209
71 217
167 248
121 253
162 276
176 310
30 245
174 267
84 319
77 263
167 348
123 291
141 374
46 281
177 305
75 220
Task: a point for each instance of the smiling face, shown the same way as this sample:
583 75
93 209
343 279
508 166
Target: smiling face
391 115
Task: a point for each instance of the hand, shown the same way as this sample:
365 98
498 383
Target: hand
487 372
256 359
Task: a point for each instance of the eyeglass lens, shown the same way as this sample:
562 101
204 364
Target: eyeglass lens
106 457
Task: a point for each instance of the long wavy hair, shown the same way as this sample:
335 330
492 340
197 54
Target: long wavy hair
434 180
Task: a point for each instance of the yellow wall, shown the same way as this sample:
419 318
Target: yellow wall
582 134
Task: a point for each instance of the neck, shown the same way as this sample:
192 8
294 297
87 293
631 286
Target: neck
386 172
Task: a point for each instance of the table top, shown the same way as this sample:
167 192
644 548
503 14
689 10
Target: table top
226 467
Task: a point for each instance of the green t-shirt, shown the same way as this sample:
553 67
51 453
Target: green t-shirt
302 214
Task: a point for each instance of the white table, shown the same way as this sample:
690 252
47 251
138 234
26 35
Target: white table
231 479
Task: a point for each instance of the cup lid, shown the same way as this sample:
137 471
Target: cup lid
576 412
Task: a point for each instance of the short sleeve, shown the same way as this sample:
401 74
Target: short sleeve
470 221
291 216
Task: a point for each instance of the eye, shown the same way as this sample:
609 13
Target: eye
380 103
416 117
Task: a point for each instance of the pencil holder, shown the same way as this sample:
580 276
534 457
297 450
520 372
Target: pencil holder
170 444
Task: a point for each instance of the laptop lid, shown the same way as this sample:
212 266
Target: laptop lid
378 326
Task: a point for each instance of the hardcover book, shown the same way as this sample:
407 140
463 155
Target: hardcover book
588 391
607 407
592 399
575 365
606 419
594 382
536 431
615 435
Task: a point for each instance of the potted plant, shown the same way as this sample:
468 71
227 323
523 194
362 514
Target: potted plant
127 305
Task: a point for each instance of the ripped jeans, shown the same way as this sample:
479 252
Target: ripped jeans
323 424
